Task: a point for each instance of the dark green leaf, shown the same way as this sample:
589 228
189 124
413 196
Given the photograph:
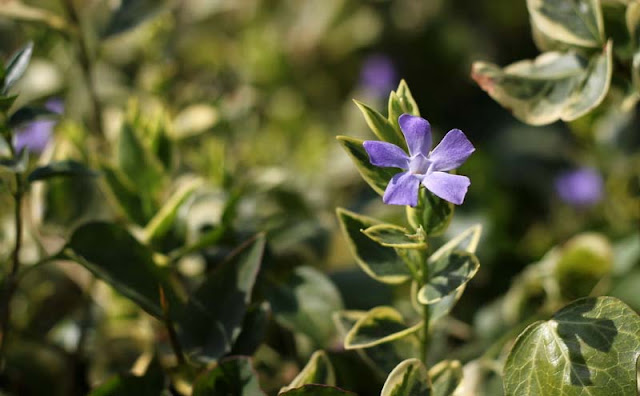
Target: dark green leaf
400 102
6 102
254 329
589 347
152 383
117 258
555 86
28 114
317 390
409 378
303 301
16 165
394 236
58 169
378 326
433 214
445 377
380 126
16 67
130 14
211 322
575 22
125 194
376 177
447 275
233 376
318 370
380 262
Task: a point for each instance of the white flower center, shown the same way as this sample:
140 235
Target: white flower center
419 164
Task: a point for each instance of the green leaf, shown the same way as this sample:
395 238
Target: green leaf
15 68
632 19
19 11
407 103
409 378
6 102
576 22
432 213
378 326
382 358
60 169
233 376
254 329
303 301
380 262
16 165
400 102
317 371
447 275
375 176
554 86
589 348
28 114
161 223
116 257
152 383
124 194
130 14
445 377
380 126
394 236
211 321
317 390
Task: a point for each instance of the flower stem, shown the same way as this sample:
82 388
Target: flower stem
426 336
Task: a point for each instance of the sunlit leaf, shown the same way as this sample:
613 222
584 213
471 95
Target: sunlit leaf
16 66
318 370
394 236
379 125
589 347
447 275
409 378
576 22
317 390
378 326
445 377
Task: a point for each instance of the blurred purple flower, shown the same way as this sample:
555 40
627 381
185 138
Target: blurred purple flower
422 166
378 74
580 187
36 135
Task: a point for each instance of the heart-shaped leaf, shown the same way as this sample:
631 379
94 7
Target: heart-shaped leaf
447 275
554 86
378 326
409 378
126 265
232 376
210 322
317 371
445 377
590 347
575 22
380 262
394 236
376 177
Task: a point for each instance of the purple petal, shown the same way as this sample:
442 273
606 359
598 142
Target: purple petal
580 187
449 187
402 190
386 154
417 133
452 151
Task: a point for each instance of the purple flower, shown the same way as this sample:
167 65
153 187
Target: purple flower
580 187
36 135
422 166
378 74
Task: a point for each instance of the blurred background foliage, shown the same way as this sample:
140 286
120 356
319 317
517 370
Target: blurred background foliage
221 115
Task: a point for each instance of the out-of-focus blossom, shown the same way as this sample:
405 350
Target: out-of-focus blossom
378 75
36 135
425 167
580 187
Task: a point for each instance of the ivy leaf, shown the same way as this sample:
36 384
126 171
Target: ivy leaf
378 326
317 390
126 265
232 376
15 68
445 377
554 86
210 322
394 236
409 378
375 176
317 371
576 22
589 347
380 126
447 275
60 169
380 262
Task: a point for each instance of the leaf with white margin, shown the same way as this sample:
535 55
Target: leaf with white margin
590 347
318 370
409 378
575 22
378 326
554 86
445 377
394 236
447 275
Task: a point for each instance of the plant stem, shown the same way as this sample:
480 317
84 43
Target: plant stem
426 336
